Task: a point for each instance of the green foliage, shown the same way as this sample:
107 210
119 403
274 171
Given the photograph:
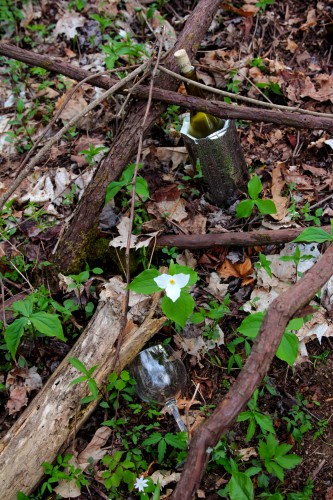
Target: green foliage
314 234
288 348
306 209
93 151
119 47
63 470
32 321
125 181
264 263
255 417
245 207
178 441
119 387
179 310
262 4
275 456
86 377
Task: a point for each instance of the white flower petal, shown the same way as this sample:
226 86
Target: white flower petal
173 292
181 279
141 483
163 280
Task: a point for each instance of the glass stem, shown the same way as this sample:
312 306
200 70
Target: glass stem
171 404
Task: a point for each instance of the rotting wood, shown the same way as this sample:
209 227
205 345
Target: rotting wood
217 108
281 310
232 238
55 415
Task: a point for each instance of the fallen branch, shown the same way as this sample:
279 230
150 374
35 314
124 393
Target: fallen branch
217 108
233 238
281 310
55 415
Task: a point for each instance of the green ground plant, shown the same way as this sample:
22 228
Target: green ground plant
245 207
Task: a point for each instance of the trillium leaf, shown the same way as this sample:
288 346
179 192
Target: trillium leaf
47 324
254 187
180 310
14 333
313 234
144 282
24 307
244 208
266 207
288 348
113 189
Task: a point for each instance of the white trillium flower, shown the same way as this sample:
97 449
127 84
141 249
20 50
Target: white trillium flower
141 483
172 284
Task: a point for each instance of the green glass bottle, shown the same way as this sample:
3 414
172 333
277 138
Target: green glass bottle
201 124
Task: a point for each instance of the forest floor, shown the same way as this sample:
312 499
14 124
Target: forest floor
275 51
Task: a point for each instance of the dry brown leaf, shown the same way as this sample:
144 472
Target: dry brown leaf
291 46
173 210
176 155
94 448
325 88
238 270
311 20
76 104
246 453
18 399
278 183
165 477
320 172
68 24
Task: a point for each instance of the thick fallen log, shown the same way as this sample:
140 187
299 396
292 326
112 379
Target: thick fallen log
281 310
54 416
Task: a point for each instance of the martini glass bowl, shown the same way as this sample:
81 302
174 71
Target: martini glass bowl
160 378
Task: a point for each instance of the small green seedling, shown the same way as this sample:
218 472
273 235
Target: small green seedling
245 207
125 181
265 264
86 377
255 417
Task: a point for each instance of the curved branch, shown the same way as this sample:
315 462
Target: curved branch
281 310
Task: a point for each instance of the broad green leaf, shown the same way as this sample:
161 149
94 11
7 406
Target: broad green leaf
93 388
240 487
175 441
24 307
250 326
288 348
264 422
244 208
153 439
295 324
161 448
288 461
97 270
78 380
128 173
266 206
48 324
250 430
278 471
125 375
313 234
141 188
245 415
13 334
177 269
180 310
113 189
254 187
144 282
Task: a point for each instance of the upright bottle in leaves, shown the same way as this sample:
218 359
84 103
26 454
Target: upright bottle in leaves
201 124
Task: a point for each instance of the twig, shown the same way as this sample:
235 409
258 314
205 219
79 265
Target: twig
132 208
242 98
28 168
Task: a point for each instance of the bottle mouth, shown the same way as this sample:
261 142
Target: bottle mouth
186 127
